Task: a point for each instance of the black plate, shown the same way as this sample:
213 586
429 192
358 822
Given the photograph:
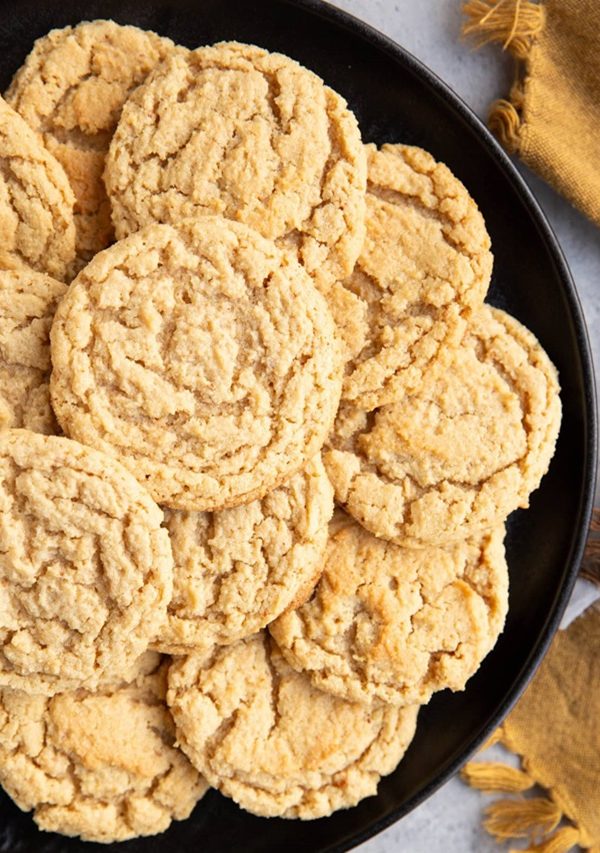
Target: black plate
395 99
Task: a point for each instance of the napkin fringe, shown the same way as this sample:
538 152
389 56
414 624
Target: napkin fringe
491 776
514 24
562 841
511 818
504 120
521 818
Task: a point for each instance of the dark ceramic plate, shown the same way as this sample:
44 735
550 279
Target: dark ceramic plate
395 99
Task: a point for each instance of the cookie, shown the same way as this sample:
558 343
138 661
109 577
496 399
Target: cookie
71 90
263 736
238 569
392 624
28 301
36 202
460 452
203 358
102 766
425 260
253 136
86 568
350 315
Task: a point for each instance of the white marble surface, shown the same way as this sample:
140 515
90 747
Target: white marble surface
450 820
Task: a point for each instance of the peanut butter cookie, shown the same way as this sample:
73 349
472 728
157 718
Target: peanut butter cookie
203 358
36 202
350 315
396 624
459 453
28 301
235 130
426 257
86 568
265 737
71 90
238 569
102 766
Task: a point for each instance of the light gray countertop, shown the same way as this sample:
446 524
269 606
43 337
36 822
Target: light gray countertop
450 820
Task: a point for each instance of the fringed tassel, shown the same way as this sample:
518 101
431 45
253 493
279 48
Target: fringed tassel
561 842
505 123
535 818
522 818
491 776
504 119
512 23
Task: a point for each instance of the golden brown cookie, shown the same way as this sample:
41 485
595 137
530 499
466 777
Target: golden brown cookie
71 90
459 453
86 568
238 569
36 202
265 737
203 358
393 624
28 301
426 258
351 317
102 766
253 136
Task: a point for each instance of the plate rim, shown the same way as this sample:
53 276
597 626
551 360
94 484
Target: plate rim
347 21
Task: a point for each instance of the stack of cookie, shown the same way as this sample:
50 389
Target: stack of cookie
263 313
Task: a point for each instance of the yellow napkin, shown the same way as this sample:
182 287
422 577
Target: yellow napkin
552 121
552 116
555 730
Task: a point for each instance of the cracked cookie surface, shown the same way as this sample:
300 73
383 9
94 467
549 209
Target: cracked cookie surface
393 624
85 566
71 89
28 301
103 765
203 358
426 257
251 135
250 724
488 416
36 202
238 569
